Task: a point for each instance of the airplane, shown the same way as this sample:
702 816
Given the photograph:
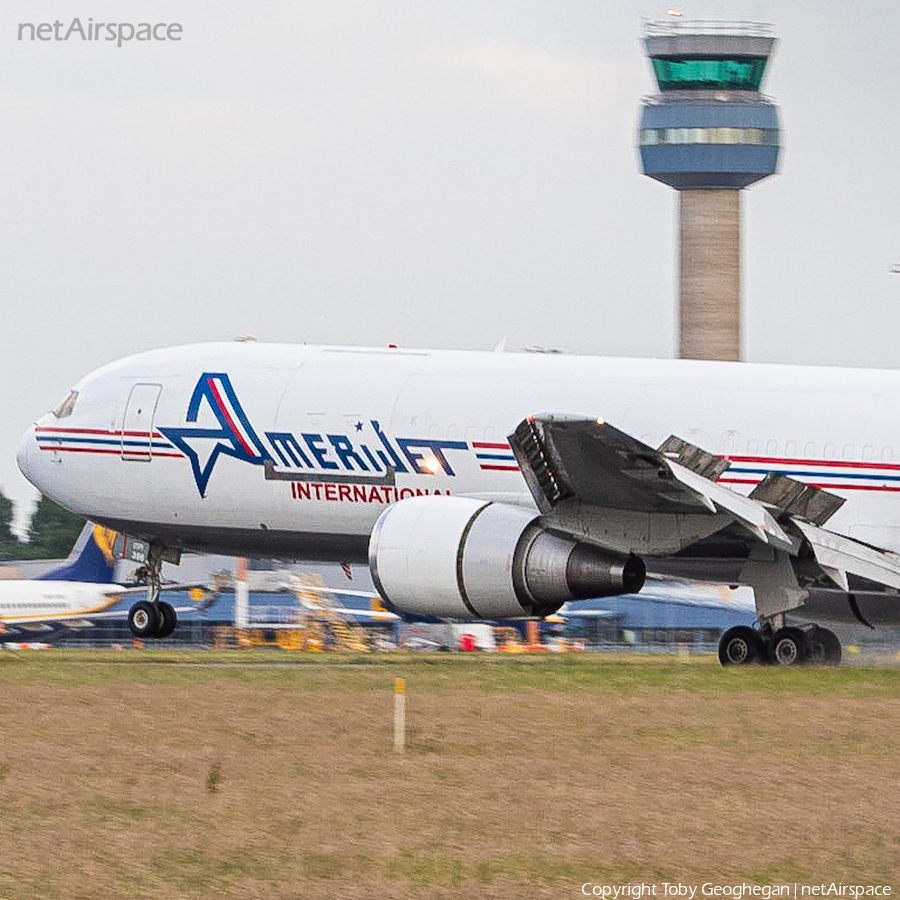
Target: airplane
73 595
83 588
493 485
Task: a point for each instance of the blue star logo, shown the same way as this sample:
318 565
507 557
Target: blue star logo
233 437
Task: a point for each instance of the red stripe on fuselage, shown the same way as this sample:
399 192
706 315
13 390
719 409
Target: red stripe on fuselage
234 429
825 486
112 451
93 431
833 463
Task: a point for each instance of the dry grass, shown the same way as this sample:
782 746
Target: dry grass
128 775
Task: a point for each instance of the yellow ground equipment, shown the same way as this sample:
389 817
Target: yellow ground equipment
320 607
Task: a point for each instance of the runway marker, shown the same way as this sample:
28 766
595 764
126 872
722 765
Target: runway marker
399 714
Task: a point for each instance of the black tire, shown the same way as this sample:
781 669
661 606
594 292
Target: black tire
788 647
739 646
143 619
831 647
168 619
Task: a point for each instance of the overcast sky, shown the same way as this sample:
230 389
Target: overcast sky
425 173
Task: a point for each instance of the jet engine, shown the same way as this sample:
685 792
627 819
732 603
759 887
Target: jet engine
458 557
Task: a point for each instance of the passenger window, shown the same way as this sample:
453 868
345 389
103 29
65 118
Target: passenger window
729 443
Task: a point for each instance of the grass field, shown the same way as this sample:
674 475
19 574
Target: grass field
272 775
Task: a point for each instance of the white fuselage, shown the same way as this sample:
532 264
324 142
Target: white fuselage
280 449
22 602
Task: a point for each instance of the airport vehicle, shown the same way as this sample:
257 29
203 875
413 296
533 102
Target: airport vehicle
515 492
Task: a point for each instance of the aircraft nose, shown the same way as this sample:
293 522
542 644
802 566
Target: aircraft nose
27 456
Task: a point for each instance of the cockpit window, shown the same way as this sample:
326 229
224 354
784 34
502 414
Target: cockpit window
66 406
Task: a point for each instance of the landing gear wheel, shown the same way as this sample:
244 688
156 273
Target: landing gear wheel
143 619
788 647
168 619
832 644
740 646
824 647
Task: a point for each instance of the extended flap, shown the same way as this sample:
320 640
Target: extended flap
796 498
839 555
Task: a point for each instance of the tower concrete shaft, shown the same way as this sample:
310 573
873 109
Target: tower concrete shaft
710 274
709 133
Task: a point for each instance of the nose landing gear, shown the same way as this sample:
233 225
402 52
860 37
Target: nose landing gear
152 618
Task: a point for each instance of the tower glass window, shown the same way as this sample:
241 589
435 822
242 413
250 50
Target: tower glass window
676 73
764 137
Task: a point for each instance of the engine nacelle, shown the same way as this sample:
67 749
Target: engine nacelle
457 557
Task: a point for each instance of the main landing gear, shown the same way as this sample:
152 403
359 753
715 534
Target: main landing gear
786 646
152 618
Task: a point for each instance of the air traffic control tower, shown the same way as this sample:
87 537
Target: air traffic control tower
709 133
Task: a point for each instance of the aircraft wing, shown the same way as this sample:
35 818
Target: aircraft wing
589 463
360 615
82 620
599 483
210 594
317 598
839 556
125 590
373 615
